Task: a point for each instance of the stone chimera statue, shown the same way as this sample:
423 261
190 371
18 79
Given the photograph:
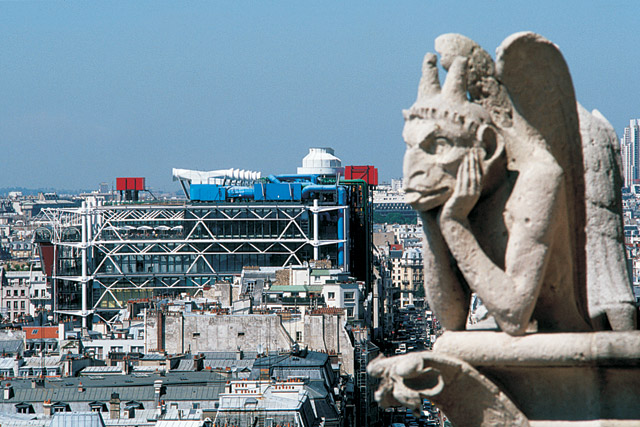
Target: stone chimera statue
518 187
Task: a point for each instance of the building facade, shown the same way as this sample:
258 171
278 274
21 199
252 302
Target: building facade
100 256
630 150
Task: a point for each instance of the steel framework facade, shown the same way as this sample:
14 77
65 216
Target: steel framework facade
107 255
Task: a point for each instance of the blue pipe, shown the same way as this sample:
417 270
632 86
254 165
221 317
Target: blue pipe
274 179
313 188
244 192
342 200
340 237
298 178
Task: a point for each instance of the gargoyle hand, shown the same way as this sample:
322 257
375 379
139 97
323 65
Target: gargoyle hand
467 190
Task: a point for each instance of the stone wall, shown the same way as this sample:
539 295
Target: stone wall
325 332
195 332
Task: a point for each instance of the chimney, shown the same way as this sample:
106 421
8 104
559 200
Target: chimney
162 409
8 391
17 362
114 406
157 388
198 362
80 388
47 407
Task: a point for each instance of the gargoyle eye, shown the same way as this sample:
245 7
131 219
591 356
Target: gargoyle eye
436 146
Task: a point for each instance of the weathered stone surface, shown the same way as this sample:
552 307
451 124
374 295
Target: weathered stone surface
484 348
557 377
443 380
609 294
548 378
495 166
519 191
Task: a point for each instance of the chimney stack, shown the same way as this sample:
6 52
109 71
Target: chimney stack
157 388
17 362
198 362
8 391
47 407
114 406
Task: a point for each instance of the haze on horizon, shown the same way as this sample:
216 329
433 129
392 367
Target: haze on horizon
92 91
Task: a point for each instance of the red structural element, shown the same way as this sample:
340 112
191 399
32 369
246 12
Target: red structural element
366 173
123 184
47 253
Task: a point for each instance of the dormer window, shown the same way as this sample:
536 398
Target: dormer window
24 408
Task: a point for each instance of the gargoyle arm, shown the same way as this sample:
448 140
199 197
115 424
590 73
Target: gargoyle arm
510 295
442 287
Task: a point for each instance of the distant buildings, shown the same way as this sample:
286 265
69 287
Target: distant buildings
630 151
23 293
102 255
261 295
389 205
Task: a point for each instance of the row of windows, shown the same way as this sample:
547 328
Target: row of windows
348 296
209 263
15 304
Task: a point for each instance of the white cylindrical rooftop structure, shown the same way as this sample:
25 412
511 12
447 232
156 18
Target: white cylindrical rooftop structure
321 161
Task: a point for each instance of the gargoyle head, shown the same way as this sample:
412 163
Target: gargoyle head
440 128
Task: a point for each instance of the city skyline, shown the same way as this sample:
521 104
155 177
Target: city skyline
135 89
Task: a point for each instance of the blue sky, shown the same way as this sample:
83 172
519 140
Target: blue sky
94 90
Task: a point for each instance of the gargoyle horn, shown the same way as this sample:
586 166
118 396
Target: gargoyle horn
455 85
429 83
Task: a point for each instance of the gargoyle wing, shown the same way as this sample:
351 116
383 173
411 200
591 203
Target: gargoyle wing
539 83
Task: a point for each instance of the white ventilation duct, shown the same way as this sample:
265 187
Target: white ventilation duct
221 176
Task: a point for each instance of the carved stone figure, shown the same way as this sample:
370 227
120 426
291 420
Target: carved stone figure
518 187
501 190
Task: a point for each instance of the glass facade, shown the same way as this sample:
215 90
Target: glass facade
144 251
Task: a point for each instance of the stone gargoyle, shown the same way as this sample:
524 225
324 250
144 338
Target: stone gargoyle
494 165
518 188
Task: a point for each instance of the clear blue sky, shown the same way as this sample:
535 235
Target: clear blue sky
94 90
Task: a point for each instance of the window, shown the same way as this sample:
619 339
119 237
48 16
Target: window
349 296
22 305
36 292
15 292
349 311
22 292
250 287
8 293
298 336
8 304
24 408
332 295
15 305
